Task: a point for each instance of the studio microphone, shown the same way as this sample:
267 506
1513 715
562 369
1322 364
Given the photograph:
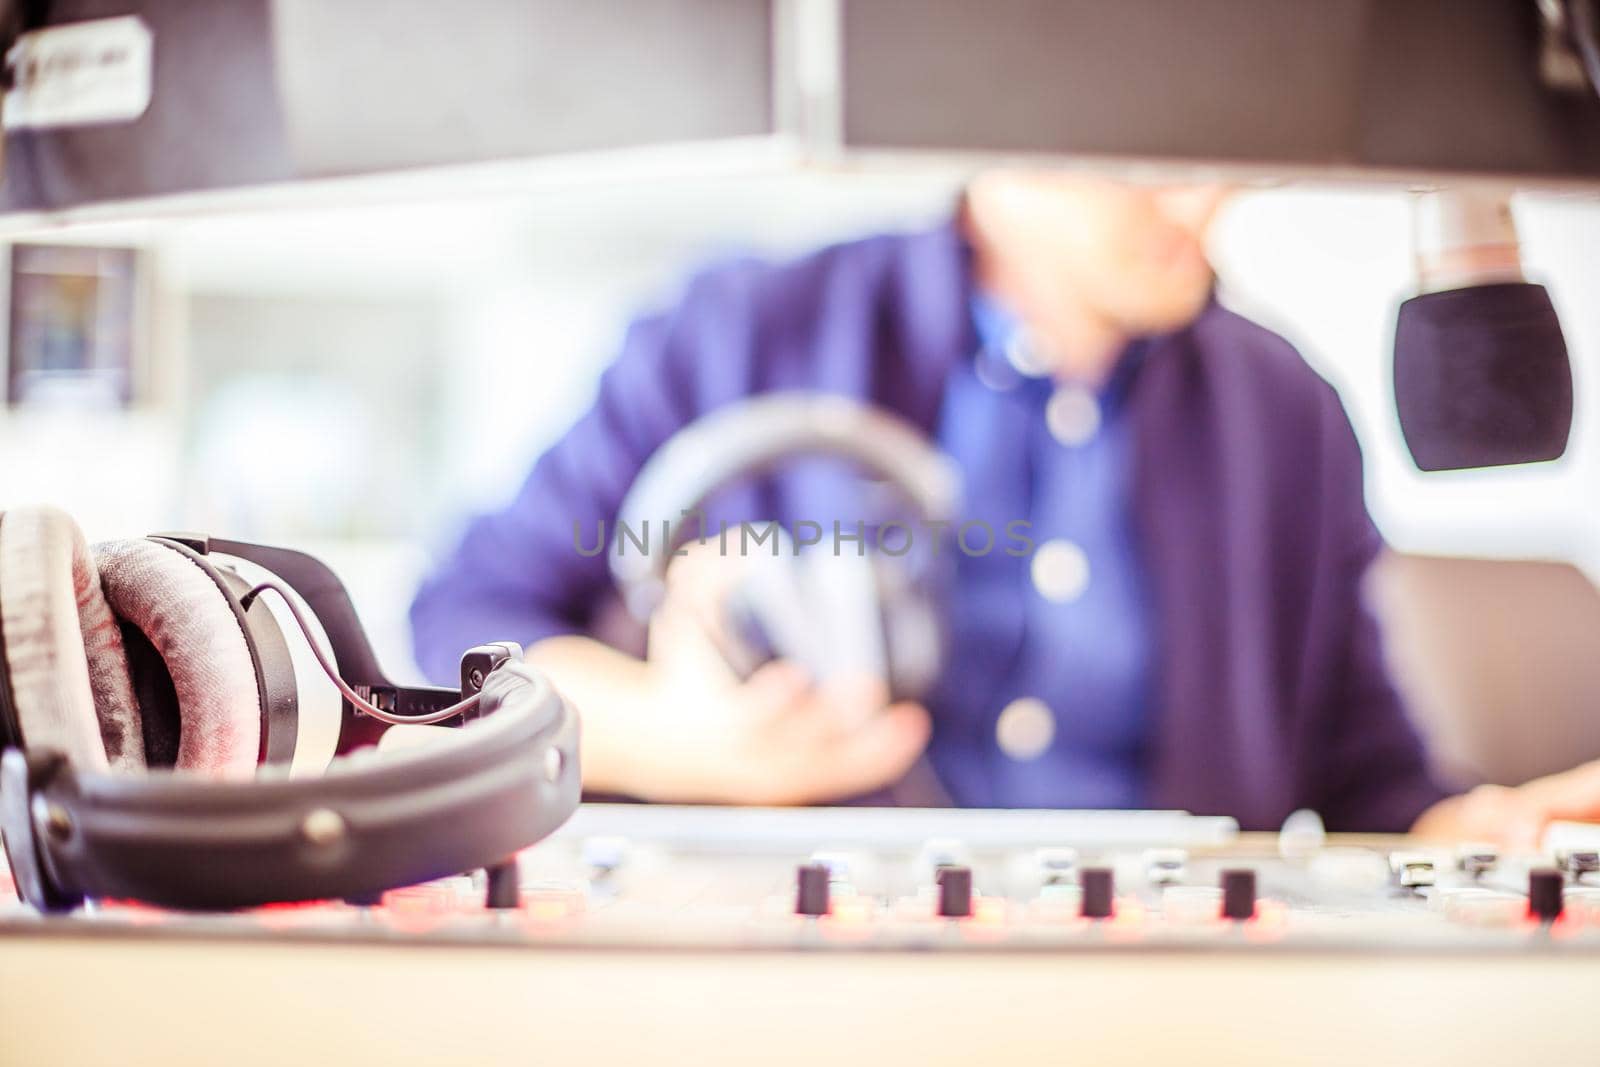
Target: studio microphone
1481 375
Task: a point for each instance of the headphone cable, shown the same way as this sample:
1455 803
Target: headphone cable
356 700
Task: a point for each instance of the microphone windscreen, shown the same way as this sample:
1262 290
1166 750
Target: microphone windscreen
1481 377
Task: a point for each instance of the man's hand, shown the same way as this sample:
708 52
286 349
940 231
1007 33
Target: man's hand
774 739
1516 816
683 727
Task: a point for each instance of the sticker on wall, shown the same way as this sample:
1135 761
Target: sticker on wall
79 74
74 327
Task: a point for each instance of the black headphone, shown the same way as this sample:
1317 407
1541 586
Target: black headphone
782 610
148 713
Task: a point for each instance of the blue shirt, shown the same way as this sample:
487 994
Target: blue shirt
1045 700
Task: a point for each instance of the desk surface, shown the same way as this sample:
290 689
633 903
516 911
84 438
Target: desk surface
69 1001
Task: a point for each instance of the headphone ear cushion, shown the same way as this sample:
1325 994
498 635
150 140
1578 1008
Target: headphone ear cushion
64 654
185 616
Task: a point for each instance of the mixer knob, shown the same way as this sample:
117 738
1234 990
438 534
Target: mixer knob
937 853
1301 835
1056 866
1238 894
1545 885
955 892
1578 861
1477 859
812 890
603 854
503 889
1412 869
1099 887
1165 866
841 865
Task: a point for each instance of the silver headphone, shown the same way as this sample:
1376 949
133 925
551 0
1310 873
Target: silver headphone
859 609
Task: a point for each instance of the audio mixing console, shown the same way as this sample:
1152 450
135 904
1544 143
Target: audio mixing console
846 878
776 936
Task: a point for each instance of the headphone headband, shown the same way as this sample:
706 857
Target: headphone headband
755 435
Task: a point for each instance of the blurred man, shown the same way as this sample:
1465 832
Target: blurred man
1189 631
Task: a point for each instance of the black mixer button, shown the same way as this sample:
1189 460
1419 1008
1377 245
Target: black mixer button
1579 861
1545 886
955 892
1098 885
1238 894
811 890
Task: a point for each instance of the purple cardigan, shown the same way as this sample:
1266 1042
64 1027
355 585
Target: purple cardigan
1272 692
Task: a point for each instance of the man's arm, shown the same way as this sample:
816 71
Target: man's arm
1375 768
1372 769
